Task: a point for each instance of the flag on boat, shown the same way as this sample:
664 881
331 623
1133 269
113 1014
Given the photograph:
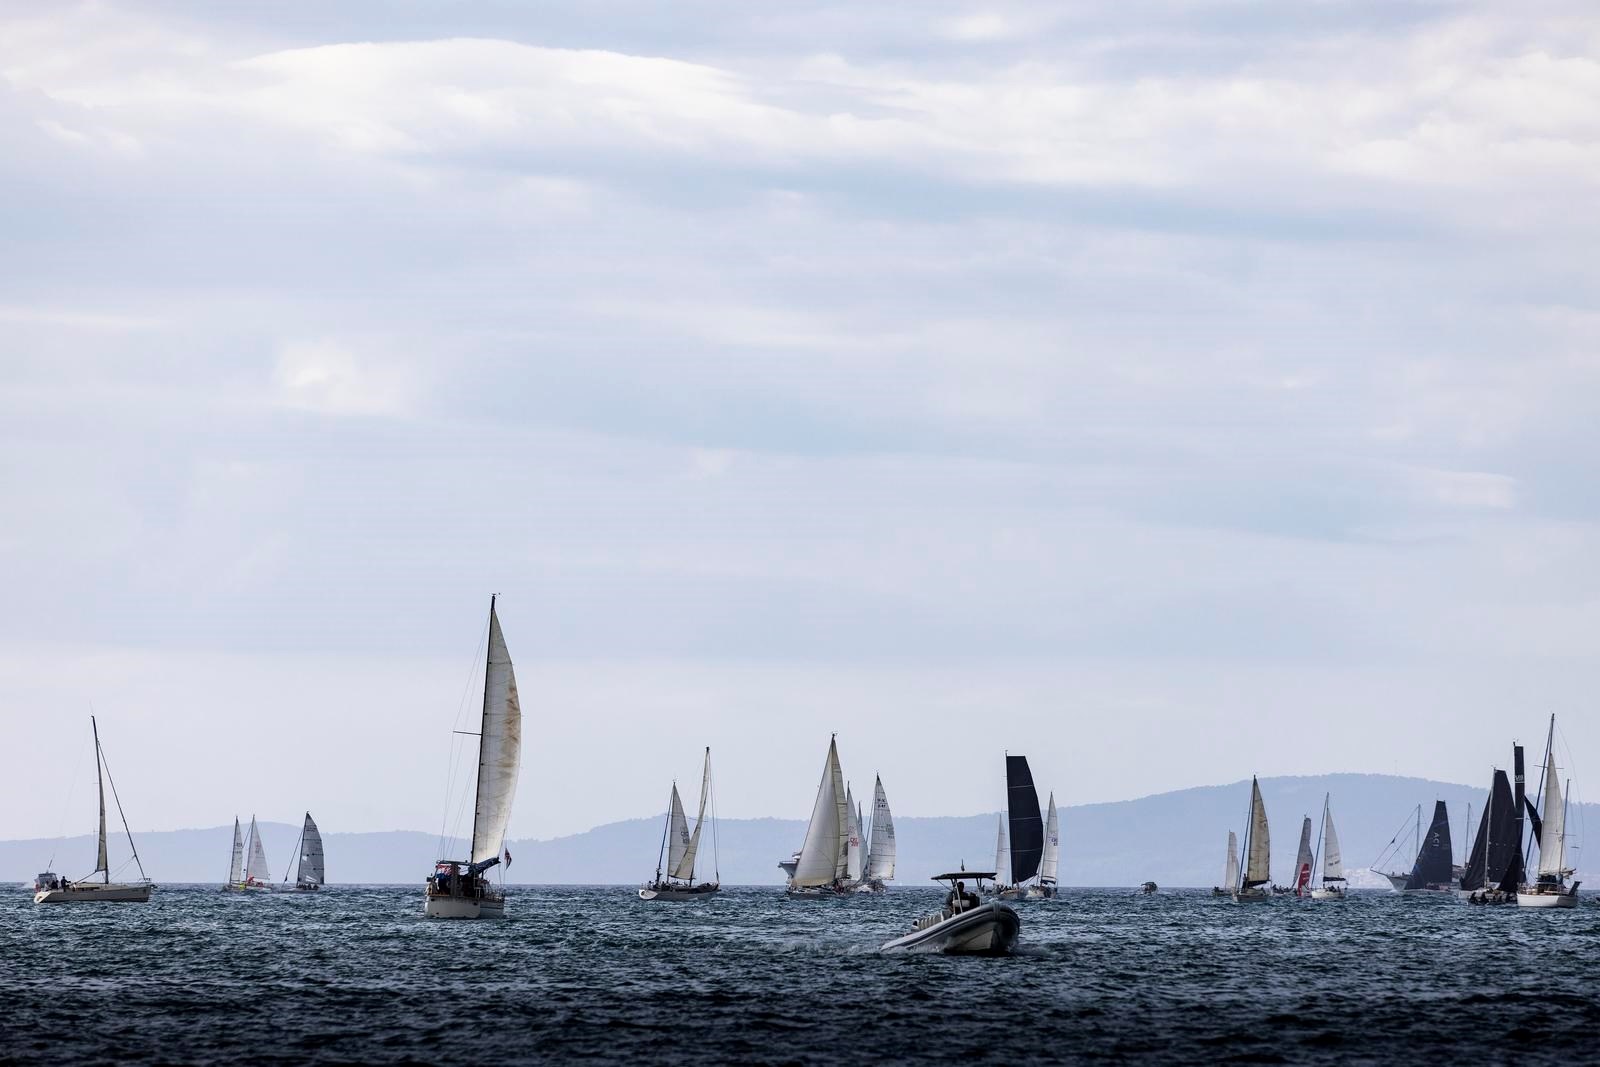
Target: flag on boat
508 857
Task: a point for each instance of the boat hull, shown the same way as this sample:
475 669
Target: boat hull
1251 896
443 906
1565 897
1040 892
987 930
95 894
1482 896
1327 894
678 892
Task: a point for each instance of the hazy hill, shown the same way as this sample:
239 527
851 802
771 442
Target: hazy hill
1175 838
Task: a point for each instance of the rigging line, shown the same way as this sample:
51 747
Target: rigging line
107 765
61 823
297 843
455 754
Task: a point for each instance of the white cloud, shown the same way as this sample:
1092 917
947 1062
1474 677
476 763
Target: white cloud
331 378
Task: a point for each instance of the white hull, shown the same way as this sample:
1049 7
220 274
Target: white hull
242 888
678 892
815 892
1327 894
1565 898
987 930
95 893
447 907
1040 892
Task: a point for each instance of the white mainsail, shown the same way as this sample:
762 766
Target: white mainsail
1051 859
1002 855
236 864
677 834
684 868
499 748
823 855
256 868
1332 860
882 854
852 855
1230 871
310 871
1553 830
1258 864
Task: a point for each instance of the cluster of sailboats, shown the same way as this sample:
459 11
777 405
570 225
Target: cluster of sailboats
842 853
253 875
1497 870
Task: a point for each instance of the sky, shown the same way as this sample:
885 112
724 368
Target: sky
1168 391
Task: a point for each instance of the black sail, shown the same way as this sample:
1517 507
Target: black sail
1434 859
1496 859
1027 828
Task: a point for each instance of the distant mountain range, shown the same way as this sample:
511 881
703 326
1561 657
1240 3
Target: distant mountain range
1176 839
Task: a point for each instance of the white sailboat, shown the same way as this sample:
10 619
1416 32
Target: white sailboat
255 877
458 889
1257 874
51 888
236 860
1301 882
1230 869
1551 890
853 851
680 848
1002 858
308 873
821 865
1333 883
1050 861
881 846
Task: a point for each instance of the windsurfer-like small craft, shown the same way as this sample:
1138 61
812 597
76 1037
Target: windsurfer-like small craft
457 889
308 874
679 848
51 888
250 876
1257 873
965 926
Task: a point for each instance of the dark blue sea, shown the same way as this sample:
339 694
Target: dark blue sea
357 974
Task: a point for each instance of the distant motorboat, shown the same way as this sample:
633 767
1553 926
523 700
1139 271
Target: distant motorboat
1551 889
1333 880
1230 870
680 848
52 888
1257 872
965 926
1147 888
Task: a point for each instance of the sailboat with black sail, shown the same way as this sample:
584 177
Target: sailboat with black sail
1257 873
459 889
1494 869
1026 837
819 868
1333 881
51 888
1551 889
680 849
1434 870
308 872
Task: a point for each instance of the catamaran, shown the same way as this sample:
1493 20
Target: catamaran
1494 869
1025 848
1050 862
1257 873
458 889
1230 870
308 872
1551 890
680 848
880 843
1333 882
250 875
822 864
51 888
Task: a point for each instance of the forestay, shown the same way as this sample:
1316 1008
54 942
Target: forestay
499 748
823 855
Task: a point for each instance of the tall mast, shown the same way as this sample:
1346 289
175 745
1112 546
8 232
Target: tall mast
664 828
1538 795
1316 857
483 723
1249 825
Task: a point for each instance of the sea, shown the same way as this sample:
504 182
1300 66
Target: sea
357 974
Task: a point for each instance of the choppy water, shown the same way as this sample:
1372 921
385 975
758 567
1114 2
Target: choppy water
358 974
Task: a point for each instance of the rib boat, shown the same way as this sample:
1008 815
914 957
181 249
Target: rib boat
680 848
965 926
51 888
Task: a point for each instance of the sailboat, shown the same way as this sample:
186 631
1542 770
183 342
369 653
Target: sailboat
1050 862
1002 859
1333 883
1434 870
247 867
1257 871
1494 869
1300 885
880 843
308 872
680 848
821 865
853 852
1026 848
51 888
1551 890
457 889
1230 869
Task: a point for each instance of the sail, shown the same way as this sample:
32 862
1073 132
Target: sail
1553 838
1002 854
256 868
1435 858
1258 861
852 860
1302 858
101 862
1230 870
677 834
685 866
236 864
1027 829
499 748
1052 846
310 871
1496 858
881 856
822 856
1332 860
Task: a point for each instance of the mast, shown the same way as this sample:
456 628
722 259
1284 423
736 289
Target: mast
1538 796
483 725
1316 856
102 864
1249 824
100 760
665 826
300 856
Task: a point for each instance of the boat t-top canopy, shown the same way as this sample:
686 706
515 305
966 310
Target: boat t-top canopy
958 875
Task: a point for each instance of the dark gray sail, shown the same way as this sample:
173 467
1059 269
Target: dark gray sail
1434 858
1496 860
1027 828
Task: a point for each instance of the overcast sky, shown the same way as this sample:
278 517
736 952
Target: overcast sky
1168 391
